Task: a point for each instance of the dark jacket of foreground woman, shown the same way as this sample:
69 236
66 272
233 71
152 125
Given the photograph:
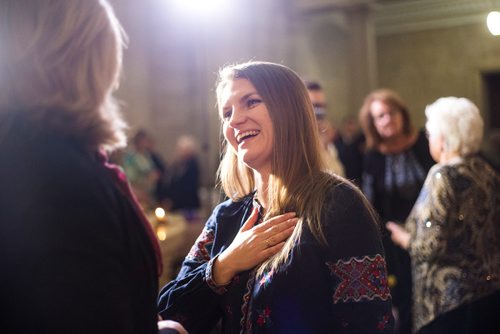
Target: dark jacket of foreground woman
74 255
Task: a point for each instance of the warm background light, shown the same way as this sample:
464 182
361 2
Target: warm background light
493 22
161 232
200 7
160 213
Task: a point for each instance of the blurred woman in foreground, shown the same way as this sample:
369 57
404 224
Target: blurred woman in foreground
76 252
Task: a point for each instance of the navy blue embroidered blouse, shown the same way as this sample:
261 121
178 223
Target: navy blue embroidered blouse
339 288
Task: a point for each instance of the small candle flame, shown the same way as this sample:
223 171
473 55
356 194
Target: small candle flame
161 233
160 213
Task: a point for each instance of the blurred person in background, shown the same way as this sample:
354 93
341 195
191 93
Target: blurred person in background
452 233
350 144
145 169
294 249
326 129
184 179
491 148
395 164
76 252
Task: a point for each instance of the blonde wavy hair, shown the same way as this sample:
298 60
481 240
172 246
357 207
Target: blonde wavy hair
59 64
299 181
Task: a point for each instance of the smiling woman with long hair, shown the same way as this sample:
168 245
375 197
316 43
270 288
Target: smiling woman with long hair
294 249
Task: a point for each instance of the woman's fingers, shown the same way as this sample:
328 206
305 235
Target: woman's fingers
283 226
398 234
254 244
280 233
275 221
273 249
393 227
281 218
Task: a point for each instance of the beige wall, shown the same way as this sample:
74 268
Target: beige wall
320 49
423 66
171 63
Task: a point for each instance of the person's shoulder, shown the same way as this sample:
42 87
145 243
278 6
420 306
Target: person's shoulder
468 170
47 161
46 152
349 223
343 193
458 168
51 176
479 163
345 205
70 161
444 173
456 176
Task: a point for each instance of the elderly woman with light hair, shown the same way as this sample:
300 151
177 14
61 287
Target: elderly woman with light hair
452 233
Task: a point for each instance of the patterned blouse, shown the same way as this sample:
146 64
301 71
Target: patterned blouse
455 238
339 288
392 181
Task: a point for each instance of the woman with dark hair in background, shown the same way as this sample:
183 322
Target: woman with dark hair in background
394 168
76 252
295 249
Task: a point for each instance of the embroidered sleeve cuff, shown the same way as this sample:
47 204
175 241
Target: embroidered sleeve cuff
219 289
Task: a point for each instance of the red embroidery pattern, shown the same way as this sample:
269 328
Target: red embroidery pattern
245 322
263 317
199 251
209 278
360 279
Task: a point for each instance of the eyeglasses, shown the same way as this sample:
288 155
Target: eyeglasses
319 105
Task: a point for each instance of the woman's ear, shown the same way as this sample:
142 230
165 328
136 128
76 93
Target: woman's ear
444 146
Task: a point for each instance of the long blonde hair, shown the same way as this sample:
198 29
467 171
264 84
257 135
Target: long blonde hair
59 64
299 181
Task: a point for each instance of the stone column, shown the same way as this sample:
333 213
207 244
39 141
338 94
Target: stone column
361 53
